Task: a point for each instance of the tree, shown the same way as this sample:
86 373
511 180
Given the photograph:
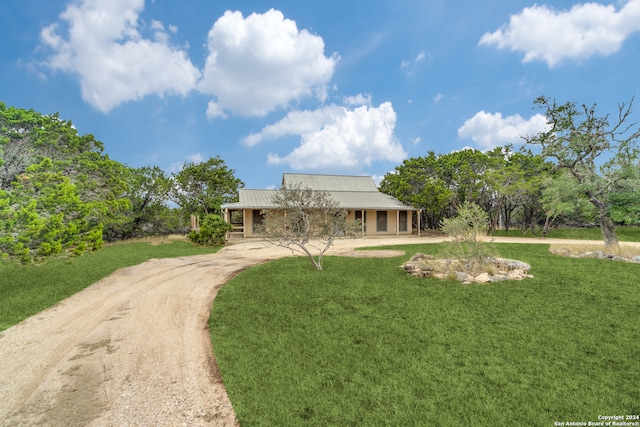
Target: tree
561 198
577 138
304 220
418 182
43 215
57 187
147 190
624 199
200 188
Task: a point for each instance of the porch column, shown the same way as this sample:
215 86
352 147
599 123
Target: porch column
363 219
225 218
244 225
397 222
419 216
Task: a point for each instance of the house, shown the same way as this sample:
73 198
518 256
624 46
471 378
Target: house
380 214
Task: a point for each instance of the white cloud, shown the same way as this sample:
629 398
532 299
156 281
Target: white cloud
195 158
115 64
492 130
421 56
358 100
336 138
438 98
298 123
214 110
263 62
585 30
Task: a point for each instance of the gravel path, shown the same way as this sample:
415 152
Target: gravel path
134 349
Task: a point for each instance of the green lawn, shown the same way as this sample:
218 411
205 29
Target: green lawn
362 343
25 291
625 234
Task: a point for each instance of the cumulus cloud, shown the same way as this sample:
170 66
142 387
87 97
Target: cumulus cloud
492 130
337 138
263 62
100 41
549 35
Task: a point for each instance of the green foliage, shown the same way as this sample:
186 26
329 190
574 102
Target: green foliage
147 214
562 199
467 228
505 184
27 290
366 344
201 188
577 138
212 232
43 215
58 189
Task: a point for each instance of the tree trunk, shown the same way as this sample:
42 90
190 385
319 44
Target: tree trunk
606 225
608 232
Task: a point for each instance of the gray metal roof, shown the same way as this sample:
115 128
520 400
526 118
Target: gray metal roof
252 199
356 200
330 182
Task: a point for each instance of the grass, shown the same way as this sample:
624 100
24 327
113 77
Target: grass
362 343
625 234
25 291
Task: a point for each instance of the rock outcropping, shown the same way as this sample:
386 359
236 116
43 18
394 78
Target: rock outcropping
498 269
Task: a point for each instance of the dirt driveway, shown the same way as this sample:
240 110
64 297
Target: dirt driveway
132 349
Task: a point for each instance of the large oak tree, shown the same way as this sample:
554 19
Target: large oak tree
599 152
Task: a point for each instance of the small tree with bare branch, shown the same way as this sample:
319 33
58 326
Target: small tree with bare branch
306 221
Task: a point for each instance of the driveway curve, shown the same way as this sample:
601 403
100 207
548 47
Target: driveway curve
134 348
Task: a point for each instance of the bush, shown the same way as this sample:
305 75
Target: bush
212 232
467 229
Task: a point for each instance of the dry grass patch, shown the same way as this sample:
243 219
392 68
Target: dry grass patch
586 250
153 241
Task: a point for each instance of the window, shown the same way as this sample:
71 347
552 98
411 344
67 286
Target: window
381 221
402 221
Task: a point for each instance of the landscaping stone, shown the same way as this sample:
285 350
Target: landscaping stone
425 266
636 258
482 278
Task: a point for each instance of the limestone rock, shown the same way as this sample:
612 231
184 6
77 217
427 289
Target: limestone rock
482 278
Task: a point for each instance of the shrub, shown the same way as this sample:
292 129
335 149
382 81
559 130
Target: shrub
212 232
467 229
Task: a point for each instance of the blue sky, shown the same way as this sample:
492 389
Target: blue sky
315 87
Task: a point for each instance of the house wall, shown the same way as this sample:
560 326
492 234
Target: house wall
392 221
371 223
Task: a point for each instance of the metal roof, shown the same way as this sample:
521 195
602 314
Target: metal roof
262 199
252 199
330 182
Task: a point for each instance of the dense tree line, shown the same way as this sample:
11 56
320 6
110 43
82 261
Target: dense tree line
508 186
587 170
60 193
